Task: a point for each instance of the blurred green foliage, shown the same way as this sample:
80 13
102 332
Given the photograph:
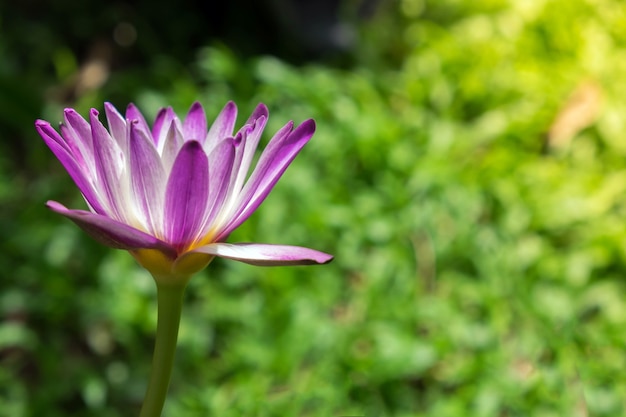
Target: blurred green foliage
467 173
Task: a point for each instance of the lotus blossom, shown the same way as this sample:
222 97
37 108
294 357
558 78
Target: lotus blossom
173 193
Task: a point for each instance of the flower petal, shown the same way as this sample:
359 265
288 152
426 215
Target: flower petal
250 140
186 195
171 144
133 113
273 162
108 231
220 168
195 125
109 165
60 149
249 134
80 129
222 127
260 111
147 180
266 255
117 127
246 142
77 134
161 127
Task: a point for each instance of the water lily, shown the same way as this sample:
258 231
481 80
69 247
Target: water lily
171 195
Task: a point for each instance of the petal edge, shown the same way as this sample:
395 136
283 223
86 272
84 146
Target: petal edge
262 254
108 231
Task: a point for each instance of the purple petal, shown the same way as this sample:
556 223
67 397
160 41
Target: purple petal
246 142
77 134
117 126
47 132
159 121
266 255
162 125
259 111
186 195
220 168
273 162
73 168
71 142
222 127
109 164
171 144
195 125
250 137
108 231
80 129
133 113
147 177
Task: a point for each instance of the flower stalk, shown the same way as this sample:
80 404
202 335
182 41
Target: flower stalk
169 304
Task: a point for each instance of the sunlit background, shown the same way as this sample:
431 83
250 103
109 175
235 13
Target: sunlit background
468 173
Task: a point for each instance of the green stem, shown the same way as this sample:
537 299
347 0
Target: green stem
170 303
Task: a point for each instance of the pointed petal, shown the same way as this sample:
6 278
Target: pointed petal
81 131
77 134
195 125
48 133
161 127
259 111
71 143
246 142
186 195
220 169
147 178
250 141
273 162
73 168
117 126
249 134
222 127
266 255
133 113
108 231
171 144
109 165
159 121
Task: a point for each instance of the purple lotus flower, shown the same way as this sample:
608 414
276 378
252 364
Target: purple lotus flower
172 194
